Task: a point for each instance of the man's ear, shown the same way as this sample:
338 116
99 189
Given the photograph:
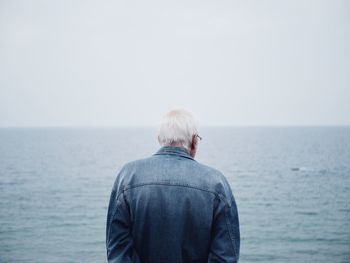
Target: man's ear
193 142
193 146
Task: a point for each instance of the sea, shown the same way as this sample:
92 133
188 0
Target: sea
291 185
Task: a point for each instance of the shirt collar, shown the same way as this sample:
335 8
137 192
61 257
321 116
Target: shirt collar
173 150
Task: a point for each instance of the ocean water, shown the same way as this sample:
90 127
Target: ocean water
292 188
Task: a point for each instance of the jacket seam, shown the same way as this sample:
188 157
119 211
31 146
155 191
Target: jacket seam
110 220
115 212
220 196
229 232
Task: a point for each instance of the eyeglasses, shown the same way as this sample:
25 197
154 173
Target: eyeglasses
199 137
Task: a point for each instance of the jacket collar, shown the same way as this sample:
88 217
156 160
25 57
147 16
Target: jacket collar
172 150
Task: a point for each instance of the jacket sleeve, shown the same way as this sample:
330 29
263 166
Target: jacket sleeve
119 242
225 241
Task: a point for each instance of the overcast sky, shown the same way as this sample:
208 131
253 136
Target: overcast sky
97 63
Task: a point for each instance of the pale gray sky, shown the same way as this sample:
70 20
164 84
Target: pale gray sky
128 62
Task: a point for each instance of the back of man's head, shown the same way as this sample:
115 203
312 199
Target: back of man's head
177 129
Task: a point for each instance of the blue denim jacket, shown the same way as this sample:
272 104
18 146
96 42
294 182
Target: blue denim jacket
170 208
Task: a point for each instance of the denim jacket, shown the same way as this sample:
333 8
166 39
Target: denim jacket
171 208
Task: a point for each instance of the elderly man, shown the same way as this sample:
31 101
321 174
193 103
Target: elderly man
171 208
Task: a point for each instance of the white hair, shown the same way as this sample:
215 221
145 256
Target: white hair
177 128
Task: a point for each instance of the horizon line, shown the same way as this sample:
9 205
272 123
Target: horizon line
155 126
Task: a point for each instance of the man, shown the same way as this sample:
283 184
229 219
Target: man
171 208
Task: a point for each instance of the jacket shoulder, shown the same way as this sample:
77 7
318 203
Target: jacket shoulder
217 181
201 176
125 173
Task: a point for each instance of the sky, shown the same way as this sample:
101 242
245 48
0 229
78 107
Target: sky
126 63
